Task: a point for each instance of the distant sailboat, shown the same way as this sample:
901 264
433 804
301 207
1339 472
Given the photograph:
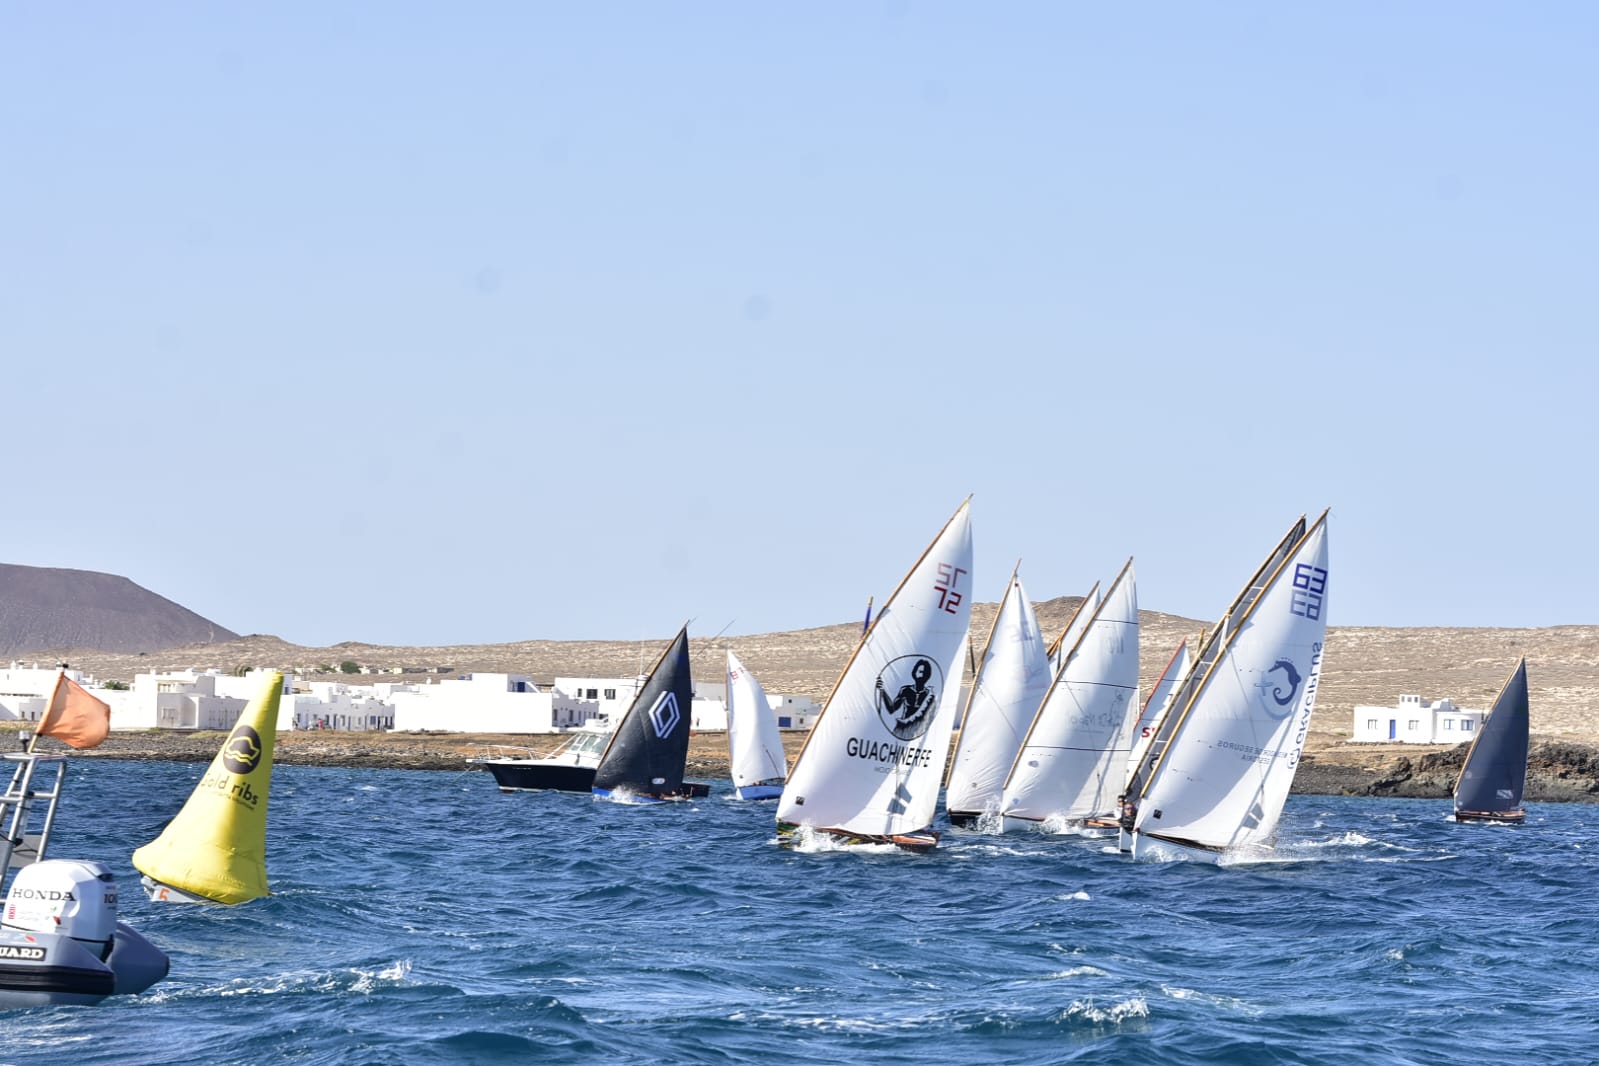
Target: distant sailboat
1495 772
871 767
648 752
1218 772
214 850
755 747
1072 764
1011 678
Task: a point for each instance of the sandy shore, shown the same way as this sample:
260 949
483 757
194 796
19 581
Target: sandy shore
1558 770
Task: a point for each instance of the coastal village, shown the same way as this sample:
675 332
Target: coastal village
489 703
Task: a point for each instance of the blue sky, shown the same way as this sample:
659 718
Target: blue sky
426 323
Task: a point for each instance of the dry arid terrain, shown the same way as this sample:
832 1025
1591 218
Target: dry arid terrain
1364 665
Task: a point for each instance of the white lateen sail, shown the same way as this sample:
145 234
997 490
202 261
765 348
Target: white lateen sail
1222 776
873 762
1159 702
1072 764
1074 629
1012 677
755 748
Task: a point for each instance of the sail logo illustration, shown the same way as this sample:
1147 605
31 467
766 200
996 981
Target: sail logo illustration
242 753
1281 689
1505 794
1310 591
665 716
907 695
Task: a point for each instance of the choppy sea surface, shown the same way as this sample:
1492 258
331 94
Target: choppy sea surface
423 917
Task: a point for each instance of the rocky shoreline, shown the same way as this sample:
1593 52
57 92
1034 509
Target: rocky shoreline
1559 771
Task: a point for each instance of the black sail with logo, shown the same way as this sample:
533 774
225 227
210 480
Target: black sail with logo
649 749
1496 766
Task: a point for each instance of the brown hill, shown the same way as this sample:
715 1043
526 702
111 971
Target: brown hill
43 608
1365 665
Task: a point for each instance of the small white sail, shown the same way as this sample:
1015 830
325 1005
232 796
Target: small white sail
1012 677
1074 629
1222 778
874 760
1159 702
755 748
1072 763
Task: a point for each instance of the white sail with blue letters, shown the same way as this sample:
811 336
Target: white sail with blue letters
1072 763
1221 779
874 760
1012 676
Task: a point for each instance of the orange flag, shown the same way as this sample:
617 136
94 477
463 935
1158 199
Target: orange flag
75 716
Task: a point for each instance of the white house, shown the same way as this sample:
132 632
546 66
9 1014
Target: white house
183 699
709 713
1416 721
26 689
489 703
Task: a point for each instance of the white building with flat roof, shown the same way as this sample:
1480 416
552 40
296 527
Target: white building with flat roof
25 689
489 703
1416 721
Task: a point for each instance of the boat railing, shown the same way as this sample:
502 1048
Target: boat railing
28 808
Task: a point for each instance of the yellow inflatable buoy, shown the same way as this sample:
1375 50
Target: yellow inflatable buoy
215 849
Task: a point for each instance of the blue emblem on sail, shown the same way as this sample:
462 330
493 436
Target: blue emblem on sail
1292 676
1280 695
664 716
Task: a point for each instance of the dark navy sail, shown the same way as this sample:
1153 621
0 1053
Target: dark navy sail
649 749
1495 773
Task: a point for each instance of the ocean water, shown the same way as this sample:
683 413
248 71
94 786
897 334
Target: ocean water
425 918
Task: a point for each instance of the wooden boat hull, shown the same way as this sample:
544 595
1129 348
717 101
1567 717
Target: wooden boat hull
690 790
1516 817
758 792
919 842
1146 847
533 775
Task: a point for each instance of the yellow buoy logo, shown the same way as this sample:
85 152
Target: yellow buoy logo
242 753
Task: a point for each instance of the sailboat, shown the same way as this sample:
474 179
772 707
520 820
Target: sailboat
755 748
1011 678
648 752
1217 774
1495 772
1159 702
1073 629
871 767
214 850
1072 764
